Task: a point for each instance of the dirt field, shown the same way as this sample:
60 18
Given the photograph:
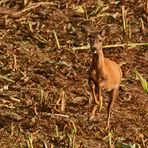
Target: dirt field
44 63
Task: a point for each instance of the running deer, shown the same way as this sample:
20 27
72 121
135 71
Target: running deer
104 74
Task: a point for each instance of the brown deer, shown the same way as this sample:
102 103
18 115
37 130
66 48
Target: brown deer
104 74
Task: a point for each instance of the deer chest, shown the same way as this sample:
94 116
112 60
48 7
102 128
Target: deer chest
95 76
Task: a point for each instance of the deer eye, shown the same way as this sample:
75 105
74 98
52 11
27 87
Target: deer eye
100 40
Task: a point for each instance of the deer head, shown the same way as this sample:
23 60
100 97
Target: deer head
96 41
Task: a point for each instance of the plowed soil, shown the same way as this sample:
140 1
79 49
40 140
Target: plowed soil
44 63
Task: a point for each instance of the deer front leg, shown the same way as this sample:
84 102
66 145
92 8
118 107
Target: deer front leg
99 103
100 98
114 96
97 92
101 85
93 112
94 93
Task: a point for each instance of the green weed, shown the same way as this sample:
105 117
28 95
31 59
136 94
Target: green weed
142 80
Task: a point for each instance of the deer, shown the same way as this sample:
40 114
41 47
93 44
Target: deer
104 74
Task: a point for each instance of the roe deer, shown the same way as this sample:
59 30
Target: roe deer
104 74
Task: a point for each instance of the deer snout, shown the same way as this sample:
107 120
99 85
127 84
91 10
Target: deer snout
94 49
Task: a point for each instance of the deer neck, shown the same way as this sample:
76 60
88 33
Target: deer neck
100 60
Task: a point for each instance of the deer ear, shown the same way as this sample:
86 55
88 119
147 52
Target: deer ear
103 30
102 33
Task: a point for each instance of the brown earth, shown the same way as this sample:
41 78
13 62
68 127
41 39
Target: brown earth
37 75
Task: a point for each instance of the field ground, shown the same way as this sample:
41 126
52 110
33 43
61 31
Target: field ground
44 62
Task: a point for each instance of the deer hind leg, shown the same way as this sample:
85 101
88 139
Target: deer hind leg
114 96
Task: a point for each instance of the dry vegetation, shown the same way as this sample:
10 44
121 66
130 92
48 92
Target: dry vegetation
44 62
